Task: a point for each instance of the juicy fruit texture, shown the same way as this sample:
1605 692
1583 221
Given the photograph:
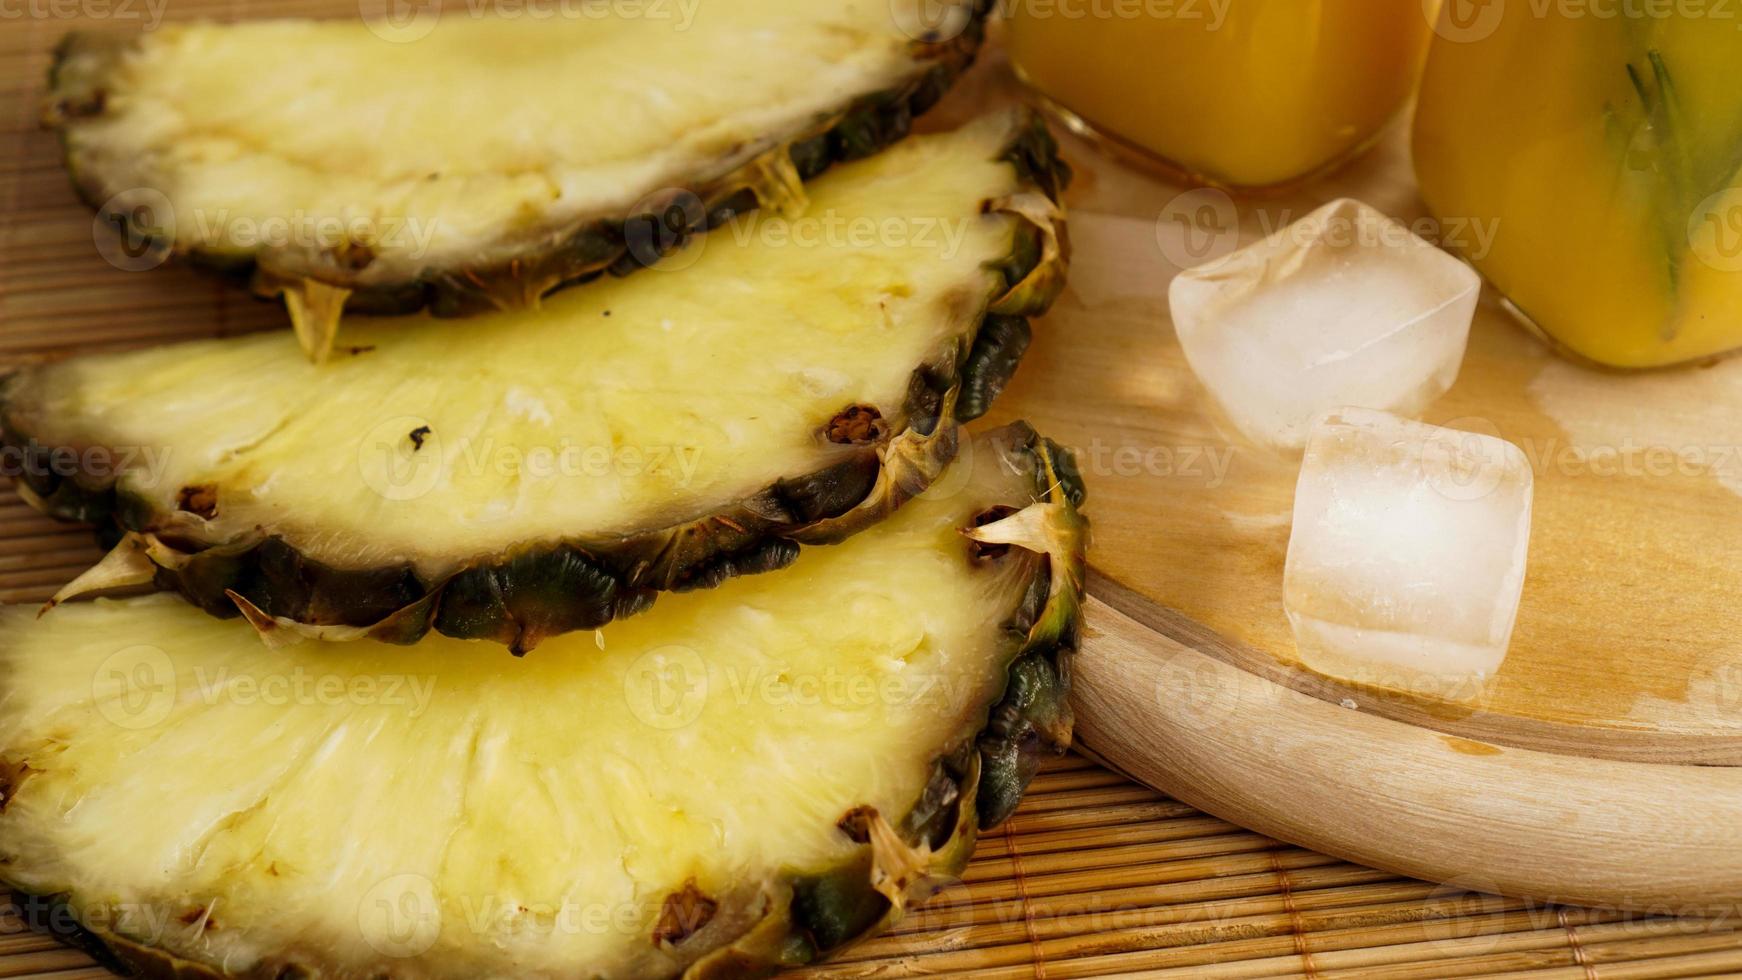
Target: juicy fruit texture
1614 191
758 772
1343 307
526 473
513 161
1407 558
1249 93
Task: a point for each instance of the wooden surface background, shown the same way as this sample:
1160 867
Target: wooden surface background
1096 876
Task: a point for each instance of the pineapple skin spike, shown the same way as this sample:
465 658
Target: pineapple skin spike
505 274
546 588
974 785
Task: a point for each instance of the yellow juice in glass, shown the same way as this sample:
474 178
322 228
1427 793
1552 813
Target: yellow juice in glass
1603 153
1242 93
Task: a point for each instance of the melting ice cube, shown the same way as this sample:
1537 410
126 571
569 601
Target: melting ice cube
1343 307
1408 551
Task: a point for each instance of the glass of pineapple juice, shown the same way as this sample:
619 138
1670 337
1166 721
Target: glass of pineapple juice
1241 93
1602 144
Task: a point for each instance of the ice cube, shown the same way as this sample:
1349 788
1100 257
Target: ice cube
1343 307
1407 557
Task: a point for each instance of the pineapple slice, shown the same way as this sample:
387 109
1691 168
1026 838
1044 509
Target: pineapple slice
745 777
527 473
466 163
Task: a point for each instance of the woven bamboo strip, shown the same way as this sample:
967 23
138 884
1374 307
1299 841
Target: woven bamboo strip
38 162
989 925
1057 916
951 925
950 928
1066 781
24 942
65 226
1090 816
166 309
1278 931
1265 955
44 961
47 547
1069 762
1120 857
18 518
26 596
1113 879
34 525
1129 793
50 290
1191 925
53 552
39 576
1480 955
1547 923
47 214
15 512
1695 965
32 164
1432 942
1034 843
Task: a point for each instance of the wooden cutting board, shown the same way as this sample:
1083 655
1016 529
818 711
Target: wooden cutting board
1601 765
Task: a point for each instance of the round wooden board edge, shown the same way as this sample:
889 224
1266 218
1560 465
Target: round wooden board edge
1655 837
1558 738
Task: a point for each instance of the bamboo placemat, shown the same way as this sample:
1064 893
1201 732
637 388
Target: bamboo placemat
1095 876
